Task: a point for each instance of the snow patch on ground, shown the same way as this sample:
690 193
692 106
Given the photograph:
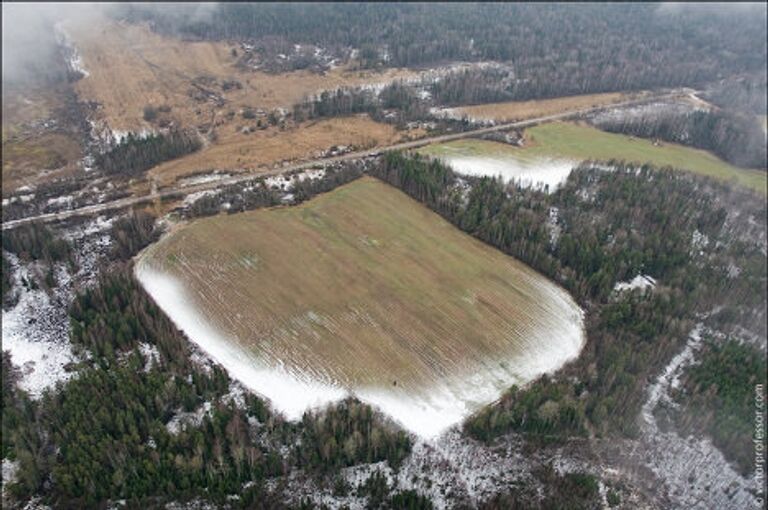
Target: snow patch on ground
74 60
640 281
542 173
10 469
35 331
202 179
288 393
194 197
183 420
151 354
286 182
694 471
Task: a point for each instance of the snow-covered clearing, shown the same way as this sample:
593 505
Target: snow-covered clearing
539 173
641 282
543 173
36 329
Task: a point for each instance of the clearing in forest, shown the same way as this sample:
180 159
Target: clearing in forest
565 141
362 290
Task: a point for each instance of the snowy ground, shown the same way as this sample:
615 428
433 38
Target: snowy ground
694 472
36 329
640 281
202 179
536 174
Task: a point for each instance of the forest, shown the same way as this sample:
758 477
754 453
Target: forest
552 47
135 154
608 235
35 243
746 94
125 396
396 98
123 400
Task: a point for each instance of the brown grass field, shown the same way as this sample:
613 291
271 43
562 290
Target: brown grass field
236 151
31 152
130 67
365 289
521 110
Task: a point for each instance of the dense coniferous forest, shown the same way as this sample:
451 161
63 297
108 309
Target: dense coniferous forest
35 242
103 436
134 155
572 491
556 49
396 98
7 281
735 137
608 234
133 232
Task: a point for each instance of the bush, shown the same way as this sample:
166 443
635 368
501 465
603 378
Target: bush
150 113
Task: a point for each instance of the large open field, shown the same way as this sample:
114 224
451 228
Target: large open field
362 290
130 67
30 149
574 142
520 110
235 151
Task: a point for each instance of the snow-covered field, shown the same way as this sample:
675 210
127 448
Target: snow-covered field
537 174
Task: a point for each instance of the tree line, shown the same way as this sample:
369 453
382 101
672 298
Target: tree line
34 242
136 154
717 398
745 93
735 137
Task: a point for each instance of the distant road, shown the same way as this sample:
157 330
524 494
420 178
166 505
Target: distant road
180 191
